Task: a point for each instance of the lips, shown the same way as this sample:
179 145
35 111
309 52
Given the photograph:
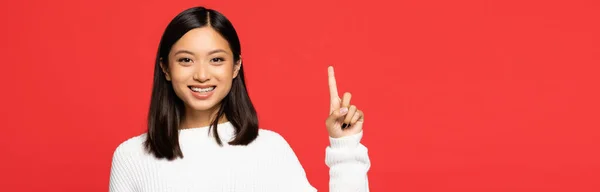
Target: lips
202 92
202 89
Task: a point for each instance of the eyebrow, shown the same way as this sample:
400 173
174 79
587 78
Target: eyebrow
217 51
210 53
183 51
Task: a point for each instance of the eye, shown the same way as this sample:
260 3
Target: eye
217 59
184 60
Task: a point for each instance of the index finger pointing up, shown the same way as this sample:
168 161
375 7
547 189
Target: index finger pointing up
332 85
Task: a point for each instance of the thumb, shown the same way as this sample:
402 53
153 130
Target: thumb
337 114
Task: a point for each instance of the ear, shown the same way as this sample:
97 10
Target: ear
165 69
236 67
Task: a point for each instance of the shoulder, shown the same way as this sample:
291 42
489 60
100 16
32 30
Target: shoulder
130 147
124 166
271 139
270 136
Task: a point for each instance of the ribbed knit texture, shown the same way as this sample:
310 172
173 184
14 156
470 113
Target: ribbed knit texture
266 165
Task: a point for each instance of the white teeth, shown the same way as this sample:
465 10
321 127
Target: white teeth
202 90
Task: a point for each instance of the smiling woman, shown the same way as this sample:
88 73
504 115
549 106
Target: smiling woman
203 132
201 69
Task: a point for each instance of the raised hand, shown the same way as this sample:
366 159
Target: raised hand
344 119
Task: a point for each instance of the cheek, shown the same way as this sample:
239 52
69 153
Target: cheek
180 77
225 78
231 70
181 74
224 72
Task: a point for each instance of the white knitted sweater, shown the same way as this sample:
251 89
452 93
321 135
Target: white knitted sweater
268 164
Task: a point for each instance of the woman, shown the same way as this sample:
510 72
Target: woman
203 132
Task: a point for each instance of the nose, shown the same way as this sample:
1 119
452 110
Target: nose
202 74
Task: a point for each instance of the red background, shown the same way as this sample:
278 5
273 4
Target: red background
489 95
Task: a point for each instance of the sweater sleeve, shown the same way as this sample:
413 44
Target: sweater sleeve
121 171
348 163
346 157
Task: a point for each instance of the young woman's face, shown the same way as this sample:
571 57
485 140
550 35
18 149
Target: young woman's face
201 68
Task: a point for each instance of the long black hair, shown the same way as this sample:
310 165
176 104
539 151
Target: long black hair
167 110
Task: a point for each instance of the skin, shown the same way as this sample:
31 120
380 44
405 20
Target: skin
203 57
341 112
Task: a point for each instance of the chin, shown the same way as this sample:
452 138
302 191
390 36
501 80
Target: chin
201 105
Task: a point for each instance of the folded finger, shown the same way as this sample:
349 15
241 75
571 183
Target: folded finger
356 117
348 118
346 100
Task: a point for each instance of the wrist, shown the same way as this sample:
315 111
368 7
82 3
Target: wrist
345 142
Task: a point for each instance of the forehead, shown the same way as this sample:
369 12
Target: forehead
201 40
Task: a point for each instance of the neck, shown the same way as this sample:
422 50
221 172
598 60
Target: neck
195 118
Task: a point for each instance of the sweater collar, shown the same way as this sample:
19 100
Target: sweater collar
226 132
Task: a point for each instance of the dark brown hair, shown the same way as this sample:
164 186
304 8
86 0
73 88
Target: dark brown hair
167 110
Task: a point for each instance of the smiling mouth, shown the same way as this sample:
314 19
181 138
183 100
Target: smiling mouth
202 90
